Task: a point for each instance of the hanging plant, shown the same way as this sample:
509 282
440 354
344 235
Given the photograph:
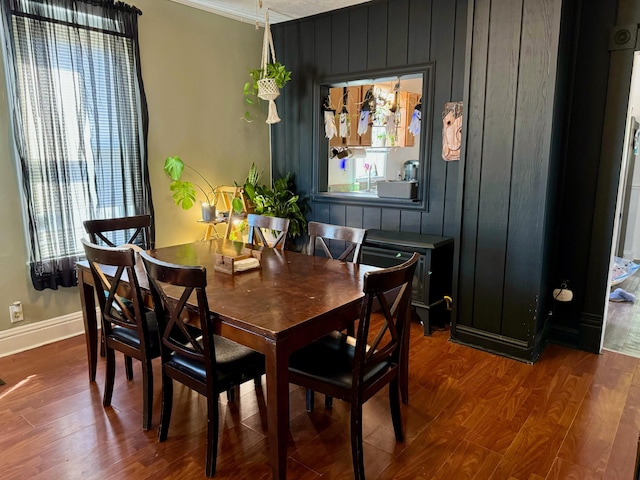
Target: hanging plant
268 79
275 71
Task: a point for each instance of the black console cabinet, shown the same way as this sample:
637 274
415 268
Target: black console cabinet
432 281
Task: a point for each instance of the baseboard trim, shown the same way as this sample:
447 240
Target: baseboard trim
32 335
497 344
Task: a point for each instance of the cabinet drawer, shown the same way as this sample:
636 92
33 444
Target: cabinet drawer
382 257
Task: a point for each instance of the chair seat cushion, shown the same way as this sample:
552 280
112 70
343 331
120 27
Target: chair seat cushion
330 359
130 337
235 363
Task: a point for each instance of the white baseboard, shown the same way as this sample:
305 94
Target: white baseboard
32 335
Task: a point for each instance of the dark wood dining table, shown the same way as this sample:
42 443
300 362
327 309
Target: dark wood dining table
290 301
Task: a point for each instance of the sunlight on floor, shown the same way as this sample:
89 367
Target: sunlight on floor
16 386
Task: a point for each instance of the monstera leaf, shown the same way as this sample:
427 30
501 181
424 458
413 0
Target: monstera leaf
174 166
184 192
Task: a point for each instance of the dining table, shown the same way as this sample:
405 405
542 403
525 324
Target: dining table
289 301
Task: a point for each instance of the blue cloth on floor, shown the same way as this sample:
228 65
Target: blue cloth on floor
622 269
620 295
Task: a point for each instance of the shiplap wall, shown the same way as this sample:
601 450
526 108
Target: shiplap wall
509 174
372 36
595 140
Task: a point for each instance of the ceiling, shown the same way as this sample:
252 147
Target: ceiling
279 10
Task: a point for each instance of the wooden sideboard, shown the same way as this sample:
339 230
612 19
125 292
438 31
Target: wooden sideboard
432 281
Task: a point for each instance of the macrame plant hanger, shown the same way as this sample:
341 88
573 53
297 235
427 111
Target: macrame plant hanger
267 87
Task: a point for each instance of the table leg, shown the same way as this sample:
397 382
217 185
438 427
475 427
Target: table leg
88 303
277 367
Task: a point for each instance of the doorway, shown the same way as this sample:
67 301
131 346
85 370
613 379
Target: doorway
621 323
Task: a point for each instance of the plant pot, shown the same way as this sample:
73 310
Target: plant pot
268 89
208 212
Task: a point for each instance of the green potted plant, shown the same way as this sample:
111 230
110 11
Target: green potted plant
267 90
279 201
184 192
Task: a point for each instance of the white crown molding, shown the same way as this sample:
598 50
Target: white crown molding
248 11
239 14
32 335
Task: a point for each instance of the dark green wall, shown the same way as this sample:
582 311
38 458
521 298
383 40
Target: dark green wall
373 36
596 127
509 169
537 193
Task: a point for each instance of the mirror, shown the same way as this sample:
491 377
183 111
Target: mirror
371 142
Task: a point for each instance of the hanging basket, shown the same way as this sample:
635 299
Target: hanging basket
268 89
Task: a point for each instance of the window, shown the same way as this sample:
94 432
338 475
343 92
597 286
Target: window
375 136
79 123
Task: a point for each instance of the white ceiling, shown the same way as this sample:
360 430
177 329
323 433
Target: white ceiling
279 10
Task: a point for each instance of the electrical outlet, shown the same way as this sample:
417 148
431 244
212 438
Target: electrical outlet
16 313
562 295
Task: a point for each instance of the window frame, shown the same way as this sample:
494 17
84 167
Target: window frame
320 157
56 219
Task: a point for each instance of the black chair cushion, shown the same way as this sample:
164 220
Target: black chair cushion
130 337
330 359
231 357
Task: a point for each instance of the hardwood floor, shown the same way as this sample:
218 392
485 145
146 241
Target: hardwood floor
622 332
472 415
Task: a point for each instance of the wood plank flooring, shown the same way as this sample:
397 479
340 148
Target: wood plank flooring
472 415
622 332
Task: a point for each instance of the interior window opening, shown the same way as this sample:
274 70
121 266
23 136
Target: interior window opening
376 136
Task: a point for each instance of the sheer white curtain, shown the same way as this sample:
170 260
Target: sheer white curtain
79 119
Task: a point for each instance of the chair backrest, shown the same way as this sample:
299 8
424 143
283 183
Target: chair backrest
352 239
168 281
117 231
278 226
388 294
116 281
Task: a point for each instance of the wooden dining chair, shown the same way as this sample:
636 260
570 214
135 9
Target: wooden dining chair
349 241
636 470
346 243
354 369
278 226
194 356
127 326
117 231
112 232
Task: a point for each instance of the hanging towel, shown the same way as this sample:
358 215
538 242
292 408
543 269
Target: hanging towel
330 129
391 124
363 124
344 125
368 104
416 120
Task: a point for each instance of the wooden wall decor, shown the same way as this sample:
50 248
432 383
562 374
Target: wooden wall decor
451 130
